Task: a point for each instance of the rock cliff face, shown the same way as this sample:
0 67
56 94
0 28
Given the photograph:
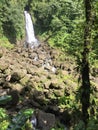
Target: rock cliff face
37 78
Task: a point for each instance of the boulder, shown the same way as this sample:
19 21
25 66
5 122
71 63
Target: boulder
46 121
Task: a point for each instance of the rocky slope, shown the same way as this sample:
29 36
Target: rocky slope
37 78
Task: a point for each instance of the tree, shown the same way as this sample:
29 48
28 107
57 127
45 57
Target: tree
12 19
85 93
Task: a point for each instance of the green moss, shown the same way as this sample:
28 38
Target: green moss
5 43
24 80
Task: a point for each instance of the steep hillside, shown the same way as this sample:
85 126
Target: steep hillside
42 78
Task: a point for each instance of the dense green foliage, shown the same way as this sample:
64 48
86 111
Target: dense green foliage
20 119
12 20
4 120
60 23
17 122
50 17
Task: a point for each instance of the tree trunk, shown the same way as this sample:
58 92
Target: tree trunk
85 93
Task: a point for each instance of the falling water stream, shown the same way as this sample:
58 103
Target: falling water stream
31 40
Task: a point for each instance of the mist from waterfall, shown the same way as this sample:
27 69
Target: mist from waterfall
30 40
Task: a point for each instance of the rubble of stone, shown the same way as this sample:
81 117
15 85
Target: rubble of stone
39 75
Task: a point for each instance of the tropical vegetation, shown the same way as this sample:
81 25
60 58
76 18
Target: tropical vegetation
68 25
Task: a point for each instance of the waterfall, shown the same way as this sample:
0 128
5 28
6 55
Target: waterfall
30 41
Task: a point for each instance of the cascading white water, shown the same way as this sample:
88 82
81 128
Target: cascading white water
30 41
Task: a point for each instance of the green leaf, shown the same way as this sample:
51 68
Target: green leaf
20 119
4 99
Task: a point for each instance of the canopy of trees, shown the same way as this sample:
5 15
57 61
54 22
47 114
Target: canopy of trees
59 22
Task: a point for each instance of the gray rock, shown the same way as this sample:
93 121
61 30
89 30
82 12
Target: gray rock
46 121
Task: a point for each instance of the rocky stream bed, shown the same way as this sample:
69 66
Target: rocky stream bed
37 78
